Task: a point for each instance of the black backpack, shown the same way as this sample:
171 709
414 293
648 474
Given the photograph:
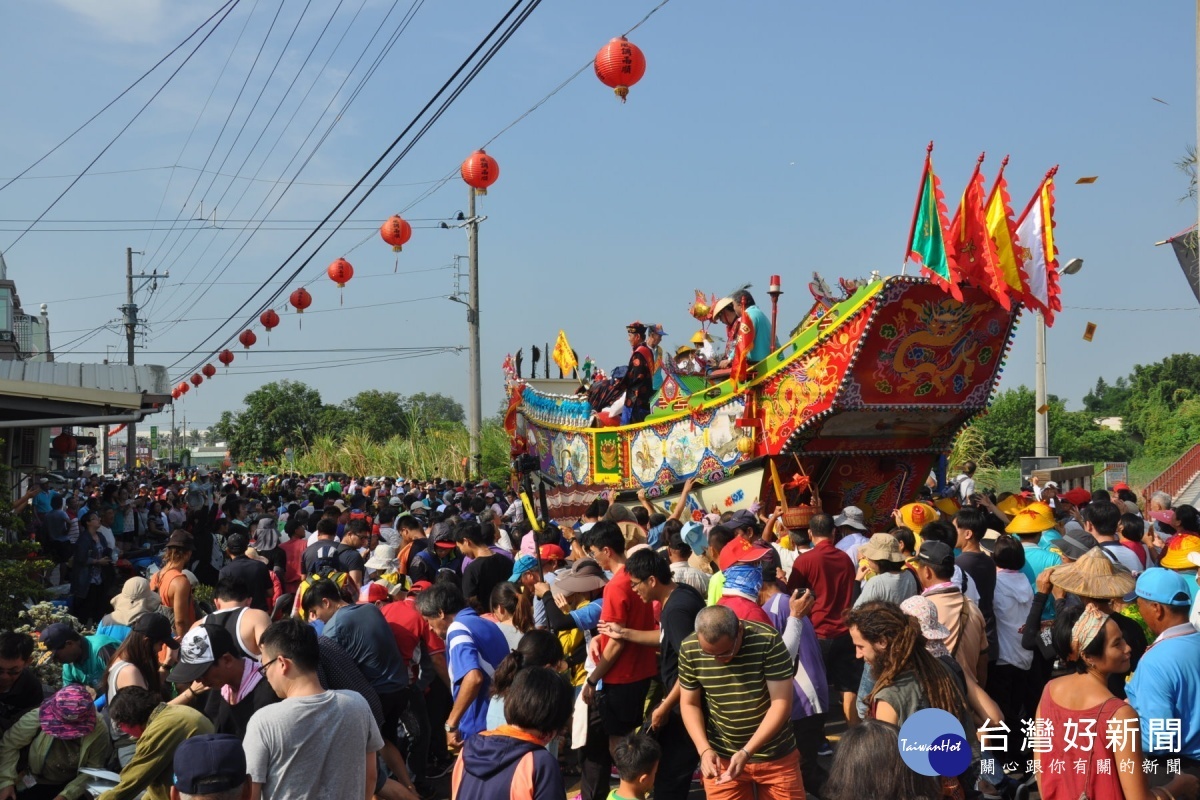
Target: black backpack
327 559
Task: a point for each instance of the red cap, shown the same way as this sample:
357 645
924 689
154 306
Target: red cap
419 586
375 594
551 552
1077 496
1119 485
739 551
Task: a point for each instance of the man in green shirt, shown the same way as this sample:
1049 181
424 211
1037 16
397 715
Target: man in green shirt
84 658
159 729
736 695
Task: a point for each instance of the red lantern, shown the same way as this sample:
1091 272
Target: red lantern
300 300
620 64
226 358
480 171
247 338
196 379
396 232
269 319
209 370
64 444
175 393
182 388
340 272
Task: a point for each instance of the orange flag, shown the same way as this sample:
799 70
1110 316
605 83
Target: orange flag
974 250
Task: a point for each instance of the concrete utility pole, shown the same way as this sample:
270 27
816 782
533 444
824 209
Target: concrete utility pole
130 311
1041 427
474 414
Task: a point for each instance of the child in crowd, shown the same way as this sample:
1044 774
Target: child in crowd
636 758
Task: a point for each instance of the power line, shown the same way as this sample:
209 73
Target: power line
110 103
131 170
483 61
401 27
231 5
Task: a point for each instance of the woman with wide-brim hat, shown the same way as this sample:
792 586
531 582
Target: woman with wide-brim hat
135 600
1094 578
58 739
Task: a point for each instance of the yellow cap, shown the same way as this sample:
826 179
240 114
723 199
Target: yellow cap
916 516
946 505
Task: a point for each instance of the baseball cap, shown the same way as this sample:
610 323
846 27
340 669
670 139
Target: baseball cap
419 586
211 763
56 636
375 593
935 554
739 551
551 552
1121 485
1164 586
396 501
523 564
199 650
237 543
742 519
156 628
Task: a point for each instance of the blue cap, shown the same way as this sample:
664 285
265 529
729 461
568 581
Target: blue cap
522 565
1164 586
694 535
209 764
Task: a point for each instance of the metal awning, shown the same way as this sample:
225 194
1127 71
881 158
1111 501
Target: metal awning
38 390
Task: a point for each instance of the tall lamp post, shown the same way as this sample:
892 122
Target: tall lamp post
1041 418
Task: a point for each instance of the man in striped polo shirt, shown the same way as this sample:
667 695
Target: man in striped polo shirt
736 698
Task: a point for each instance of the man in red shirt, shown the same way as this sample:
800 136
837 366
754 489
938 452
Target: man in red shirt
425 652
830 574
626 668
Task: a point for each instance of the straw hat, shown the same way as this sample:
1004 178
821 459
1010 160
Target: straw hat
916 516
1178 549
722 304
134 600
947 505
1034 518
1094 575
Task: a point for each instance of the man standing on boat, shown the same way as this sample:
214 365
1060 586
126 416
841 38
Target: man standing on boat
760 326
639 376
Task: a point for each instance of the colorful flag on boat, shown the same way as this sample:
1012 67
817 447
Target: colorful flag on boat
972 244
563 355
1003 229
927 238
1035 244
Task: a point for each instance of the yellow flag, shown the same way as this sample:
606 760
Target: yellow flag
564 356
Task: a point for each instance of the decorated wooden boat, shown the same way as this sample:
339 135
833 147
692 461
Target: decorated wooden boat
856 408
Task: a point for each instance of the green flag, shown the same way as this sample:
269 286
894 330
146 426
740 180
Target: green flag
927 239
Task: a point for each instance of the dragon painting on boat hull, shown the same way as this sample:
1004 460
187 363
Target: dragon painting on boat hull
864 398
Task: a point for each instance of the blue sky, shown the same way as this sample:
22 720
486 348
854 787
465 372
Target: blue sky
767 137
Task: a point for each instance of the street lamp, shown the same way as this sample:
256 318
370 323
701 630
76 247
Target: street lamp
1041 427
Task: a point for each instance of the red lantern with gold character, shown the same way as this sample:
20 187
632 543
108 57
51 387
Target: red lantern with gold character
269 320
247 338
226 358
619 65
340 272
209 370
480 171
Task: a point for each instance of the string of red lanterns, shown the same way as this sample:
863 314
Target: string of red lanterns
619 65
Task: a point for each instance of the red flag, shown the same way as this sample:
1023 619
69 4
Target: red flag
741 351
974 250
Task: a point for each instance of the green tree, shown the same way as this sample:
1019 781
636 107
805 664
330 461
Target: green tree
432 409
222 431
1107 400
379 415
278 415
1158 390
1008 431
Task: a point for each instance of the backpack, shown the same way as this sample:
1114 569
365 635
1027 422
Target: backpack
951 489
327 559
342 580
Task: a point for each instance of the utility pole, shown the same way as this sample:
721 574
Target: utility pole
1041 427
130 311
474 414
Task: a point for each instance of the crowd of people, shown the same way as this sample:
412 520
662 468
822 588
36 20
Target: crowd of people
410 639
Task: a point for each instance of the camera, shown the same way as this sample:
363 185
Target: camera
526 464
